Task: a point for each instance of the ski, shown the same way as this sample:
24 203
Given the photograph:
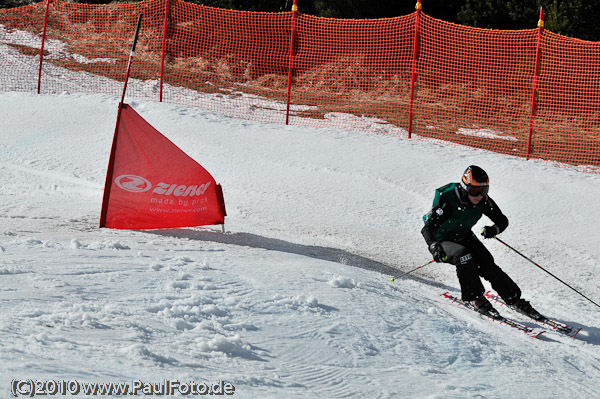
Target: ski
554 325
529 331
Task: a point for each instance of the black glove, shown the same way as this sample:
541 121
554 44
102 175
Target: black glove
490 231
438 252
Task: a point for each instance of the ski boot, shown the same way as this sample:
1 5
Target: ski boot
483 306
524 307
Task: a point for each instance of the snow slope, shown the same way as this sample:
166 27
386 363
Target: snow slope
294 300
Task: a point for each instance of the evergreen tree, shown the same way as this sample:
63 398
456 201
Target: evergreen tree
498 14
15 3
575 18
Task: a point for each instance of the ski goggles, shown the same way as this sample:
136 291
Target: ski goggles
476 191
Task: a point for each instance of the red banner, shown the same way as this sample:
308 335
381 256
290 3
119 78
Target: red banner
152 184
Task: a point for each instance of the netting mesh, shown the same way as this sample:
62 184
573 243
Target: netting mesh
475 85
20 40
356 67
227 53
472 86
567 123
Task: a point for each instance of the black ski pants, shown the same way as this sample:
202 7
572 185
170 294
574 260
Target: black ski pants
473 261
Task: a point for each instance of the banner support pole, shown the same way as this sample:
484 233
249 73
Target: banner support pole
131 55
111 159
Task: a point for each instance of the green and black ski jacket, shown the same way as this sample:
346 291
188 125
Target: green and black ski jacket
453 216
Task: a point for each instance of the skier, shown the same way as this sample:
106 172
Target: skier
457 208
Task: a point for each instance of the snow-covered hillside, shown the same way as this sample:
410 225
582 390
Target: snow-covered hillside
294 300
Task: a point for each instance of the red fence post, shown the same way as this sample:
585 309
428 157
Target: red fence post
42 47
418 6
164 49
291 64
535 78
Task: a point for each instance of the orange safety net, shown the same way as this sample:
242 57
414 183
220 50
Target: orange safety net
20 44
475 85
470 86
240 59
567 120
359 68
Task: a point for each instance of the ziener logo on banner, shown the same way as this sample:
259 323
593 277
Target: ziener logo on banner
138 184
133 183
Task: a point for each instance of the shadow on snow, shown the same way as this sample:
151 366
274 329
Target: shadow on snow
274 244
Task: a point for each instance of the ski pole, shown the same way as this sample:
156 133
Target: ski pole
413 270
547 271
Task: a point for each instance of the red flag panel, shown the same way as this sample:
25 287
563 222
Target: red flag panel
152 184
